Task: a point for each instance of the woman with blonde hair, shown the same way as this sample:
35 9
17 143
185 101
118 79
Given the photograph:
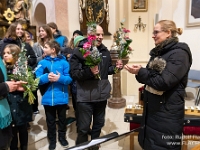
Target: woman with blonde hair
165 78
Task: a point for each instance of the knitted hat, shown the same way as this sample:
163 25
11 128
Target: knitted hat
52 25
78 32
78 39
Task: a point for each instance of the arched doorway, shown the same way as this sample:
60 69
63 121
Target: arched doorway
40 14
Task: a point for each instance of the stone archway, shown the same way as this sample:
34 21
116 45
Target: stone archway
40 15
45 11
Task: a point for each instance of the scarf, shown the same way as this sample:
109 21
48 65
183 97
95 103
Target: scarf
5 115
160 48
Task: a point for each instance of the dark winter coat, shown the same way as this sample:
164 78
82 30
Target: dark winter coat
20 109
90 89
67 52
164 114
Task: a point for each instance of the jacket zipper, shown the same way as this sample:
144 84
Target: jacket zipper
100 73
63 89
52 85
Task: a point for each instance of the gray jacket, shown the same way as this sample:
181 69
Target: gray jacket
38 51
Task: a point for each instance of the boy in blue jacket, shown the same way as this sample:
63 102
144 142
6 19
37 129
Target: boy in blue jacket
53 72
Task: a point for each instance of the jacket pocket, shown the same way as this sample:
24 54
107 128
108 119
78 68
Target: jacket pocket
105 89
93 90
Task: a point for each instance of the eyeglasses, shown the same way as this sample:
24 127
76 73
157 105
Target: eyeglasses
156 32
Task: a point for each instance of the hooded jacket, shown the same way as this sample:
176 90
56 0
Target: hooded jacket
163 115
57 92
90 89
62 40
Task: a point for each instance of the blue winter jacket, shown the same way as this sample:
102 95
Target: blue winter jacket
57 92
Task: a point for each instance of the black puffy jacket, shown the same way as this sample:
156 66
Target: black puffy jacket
163 115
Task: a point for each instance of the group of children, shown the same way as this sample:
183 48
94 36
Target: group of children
54 100
53 71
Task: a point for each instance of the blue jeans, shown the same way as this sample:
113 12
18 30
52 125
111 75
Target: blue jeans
85 112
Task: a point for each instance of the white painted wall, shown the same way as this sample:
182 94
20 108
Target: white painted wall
191 35
73 16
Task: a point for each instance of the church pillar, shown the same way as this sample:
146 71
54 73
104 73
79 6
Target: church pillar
61 12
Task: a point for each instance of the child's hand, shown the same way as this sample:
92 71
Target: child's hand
50 76
20 87
54 77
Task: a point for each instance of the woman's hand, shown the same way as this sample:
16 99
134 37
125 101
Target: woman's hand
134 69
12 85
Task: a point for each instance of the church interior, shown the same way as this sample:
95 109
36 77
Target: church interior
71 15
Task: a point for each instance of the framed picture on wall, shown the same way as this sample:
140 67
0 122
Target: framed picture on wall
139 5
192 13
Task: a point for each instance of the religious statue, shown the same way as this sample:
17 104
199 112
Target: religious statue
80 12
90 14
3 21
12 10
107 15
99 15
94 11
114 45
21 9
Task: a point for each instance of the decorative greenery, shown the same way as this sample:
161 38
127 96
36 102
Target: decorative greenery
122 41
91 28
22 73
89 50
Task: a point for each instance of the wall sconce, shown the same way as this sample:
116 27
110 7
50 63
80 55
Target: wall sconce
140 24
